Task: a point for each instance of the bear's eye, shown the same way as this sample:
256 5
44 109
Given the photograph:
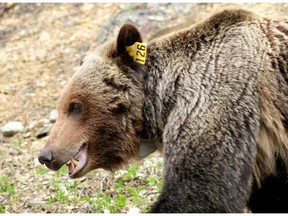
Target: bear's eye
74 108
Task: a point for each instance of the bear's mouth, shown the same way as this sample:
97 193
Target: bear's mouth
78 162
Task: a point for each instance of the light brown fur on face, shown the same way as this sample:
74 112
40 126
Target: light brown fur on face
110 119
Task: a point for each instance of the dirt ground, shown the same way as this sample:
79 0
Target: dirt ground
40 48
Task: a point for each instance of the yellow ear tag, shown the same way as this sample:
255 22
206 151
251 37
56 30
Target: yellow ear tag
138 52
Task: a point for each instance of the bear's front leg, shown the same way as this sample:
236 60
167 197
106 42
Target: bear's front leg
204 189
212 173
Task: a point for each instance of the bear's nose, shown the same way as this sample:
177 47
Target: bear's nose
45 157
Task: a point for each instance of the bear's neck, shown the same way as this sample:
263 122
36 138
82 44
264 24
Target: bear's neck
160 80
168 60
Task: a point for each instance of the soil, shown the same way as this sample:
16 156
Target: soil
40 48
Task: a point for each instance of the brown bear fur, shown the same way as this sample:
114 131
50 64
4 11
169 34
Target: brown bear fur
213 96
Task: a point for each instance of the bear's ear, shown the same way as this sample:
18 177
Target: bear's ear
127 36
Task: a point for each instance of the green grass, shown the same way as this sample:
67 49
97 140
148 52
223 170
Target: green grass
41 170
17 141
113 192
8 190
61 172
16 144
2 210
6 186
131 172
66 191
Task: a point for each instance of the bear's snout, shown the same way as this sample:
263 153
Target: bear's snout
46 157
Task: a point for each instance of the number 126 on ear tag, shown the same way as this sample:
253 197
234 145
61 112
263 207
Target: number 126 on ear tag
138 52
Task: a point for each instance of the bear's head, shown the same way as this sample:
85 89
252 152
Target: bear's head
99 111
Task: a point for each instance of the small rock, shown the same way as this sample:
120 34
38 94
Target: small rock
44 131
53 116
69 22
45 36
36 202
27 135
39 123
156 18
11 128
46 182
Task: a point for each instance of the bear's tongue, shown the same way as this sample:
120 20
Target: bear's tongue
78 162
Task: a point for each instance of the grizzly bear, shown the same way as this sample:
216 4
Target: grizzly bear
213 97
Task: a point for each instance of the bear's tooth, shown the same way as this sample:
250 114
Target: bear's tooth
68 163
75 162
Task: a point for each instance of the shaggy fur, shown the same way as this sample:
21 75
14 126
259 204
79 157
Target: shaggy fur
213 96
